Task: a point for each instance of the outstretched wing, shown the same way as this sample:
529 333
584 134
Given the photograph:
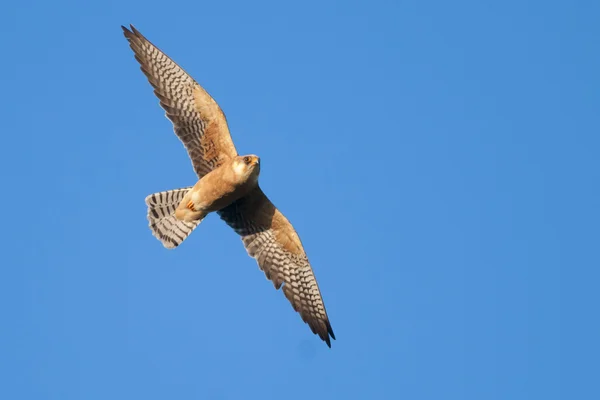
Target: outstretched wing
271 239
197 119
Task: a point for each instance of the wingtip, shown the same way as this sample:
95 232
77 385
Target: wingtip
330 330
131 31
126 32
327 336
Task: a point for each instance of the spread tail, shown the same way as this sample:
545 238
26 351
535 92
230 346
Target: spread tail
161 216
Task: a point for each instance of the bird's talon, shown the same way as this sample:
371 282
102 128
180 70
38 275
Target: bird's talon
190 205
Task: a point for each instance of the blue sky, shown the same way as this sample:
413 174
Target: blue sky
438 159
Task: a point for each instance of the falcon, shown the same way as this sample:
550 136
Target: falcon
227 185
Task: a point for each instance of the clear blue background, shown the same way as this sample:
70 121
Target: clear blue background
439 160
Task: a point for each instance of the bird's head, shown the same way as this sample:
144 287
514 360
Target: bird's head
247 167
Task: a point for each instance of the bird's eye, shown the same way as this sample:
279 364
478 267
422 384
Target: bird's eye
247 160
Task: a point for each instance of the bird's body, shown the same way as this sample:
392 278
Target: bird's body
219 188
227 185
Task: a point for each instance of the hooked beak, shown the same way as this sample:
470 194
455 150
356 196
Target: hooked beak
255 160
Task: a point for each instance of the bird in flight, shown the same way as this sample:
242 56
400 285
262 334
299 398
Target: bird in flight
227 184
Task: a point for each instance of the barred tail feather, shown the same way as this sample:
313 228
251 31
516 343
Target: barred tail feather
161 217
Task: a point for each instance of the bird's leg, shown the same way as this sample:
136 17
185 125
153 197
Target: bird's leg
190 205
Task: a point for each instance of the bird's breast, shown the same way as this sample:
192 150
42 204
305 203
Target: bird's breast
216 190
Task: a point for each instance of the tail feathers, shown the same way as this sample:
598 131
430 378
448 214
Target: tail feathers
161 217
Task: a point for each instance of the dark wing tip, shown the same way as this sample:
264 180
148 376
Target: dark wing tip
330 330
133 33
322 328
328 334
126 31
